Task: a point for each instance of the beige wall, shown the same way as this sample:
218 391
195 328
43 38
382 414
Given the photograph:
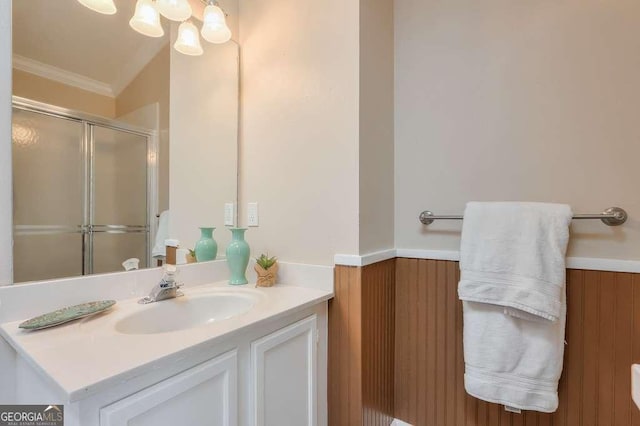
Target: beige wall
203 133
528 100
41 89
151 86
299 145
376 126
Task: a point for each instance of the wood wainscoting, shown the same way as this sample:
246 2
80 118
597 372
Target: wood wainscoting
395 349
361 345
603 340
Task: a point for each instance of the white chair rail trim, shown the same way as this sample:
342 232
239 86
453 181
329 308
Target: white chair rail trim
588 263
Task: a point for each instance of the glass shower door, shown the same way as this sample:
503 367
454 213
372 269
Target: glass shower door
48 196
80 194
119 219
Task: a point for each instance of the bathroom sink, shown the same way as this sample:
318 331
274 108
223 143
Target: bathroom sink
186 312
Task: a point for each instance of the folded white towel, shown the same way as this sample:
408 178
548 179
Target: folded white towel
159 249
513 255
513 291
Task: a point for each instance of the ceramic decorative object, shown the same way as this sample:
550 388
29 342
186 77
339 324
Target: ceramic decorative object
206 248
67 314
238 256
267 269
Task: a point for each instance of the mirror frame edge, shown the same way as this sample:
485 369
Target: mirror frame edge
238 131
6 176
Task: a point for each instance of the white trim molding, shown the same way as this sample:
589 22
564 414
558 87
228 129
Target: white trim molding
365 259
598 264
429 254
587 263
62 76
126 74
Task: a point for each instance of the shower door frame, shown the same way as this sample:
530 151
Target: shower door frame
88 229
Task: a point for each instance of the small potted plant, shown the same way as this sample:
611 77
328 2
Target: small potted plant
191 257
267 269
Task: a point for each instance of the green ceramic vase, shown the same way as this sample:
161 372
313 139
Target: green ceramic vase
238 256
206 248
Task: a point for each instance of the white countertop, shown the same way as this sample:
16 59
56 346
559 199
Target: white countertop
87 356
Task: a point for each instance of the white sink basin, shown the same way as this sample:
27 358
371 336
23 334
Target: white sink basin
186 312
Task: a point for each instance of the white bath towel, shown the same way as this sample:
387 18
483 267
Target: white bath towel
513 255
512 266
159 249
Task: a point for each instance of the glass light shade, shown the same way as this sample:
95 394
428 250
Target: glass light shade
176 10
146 19
188 41
213 14
215 29
106 7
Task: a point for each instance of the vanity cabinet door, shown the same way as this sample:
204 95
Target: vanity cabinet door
202 395
284 376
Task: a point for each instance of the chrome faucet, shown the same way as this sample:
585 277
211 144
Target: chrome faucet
167 288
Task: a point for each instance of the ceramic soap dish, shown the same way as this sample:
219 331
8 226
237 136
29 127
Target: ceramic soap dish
67 314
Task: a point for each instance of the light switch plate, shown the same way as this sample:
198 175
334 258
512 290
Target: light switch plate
252 214
229 214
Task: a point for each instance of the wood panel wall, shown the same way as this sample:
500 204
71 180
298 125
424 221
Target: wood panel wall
344 387
603 340
378 343
361 346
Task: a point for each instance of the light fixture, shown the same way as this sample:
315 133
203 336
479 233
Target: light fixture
188 41
146 19
214 28
176 10
106 7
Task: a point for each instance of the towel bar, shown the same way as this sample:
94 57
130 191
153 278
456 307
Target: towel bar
613 216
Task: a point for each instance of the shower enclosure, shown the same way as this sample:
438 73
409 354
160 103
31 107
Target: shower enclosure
83 191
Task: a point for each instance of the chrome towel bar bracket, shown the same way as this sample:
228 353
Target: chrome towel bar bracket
613 216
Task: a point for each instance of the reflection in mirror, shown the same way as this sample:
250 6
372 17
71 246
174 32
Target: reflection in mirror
99 112
77 183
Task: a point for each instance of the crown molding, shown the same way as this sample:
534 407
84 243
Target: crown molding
62 76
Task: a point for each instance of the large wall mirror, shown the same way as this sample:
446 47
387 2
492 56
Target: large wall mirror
113 130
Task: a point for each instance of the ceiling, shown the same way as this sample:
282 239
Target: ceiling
62 35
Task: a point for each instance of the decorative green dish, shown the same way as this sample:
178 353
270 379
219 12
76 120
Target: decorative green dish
67 314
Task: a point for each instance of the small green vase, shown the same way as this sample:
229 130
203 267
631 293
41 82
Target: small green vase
238 256
206 248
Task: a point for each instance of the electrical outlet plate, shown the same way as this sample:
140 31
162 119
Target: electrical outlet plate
229 214
252 214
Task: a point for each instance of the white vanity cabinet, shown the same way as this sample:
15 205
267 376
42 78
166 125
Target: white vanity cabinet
284 376
203 395
269 374
282 385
